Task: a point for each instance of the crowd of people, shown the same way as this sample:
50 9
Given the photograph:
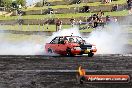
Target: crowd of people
94 20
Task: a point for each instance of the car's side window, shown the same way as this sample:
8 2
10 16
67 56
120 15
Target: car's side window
61 40
55 40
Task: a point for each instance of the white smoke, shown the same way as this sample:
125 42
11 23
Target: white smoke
21 47
65 32
109 40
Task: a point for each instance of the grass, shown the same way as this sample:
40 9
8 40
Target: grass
130 29
130 41
68 15
37 28
28 27
53 0
51 28
19 38
76 5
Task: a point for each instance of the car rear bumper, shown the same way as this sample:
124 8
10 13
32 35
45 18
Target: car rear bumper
93 50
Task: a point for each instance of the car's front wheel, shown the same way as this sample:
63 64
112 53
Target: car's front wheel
69 53
90 54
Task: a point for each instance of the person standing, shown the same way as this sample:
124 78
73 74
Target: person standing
72 20
58 24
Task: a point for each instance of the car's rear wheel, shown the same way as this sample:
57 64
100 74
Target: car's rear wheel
81 80
50 51
90 54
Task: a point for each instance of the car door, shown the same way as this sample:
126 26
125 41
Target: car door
61 46
54 44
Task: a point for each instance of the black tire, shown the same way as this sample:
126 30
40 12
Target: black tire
50 51
90 54
82 80
68 50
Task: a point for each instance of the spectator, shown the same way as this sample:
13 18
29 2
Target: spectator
129 3
95 24
100 14
108 19
47 25
101 22
115 19
72 22
115 7
80 22
106 1
58 24
91 23
109 1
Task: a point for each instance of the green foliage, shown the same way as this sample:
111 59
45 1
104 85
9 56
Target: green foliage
7 3
21 2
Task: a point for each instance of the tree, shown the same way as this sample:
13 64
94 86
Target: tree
0 2
21 2
7 3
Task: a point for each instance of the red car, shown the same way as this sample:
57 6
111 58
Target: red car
70 46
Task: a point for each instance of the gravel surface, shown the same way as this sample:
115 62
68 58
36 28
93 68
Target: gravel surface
60 72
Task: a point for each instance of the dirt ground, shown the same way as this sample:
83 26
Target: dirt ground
60 72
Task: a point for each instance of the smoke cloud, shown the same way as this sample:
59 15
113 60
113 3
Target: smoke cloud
28 46
108 40
65 32
21 48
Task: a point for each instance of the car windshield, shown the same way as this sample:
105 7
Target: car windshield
74 39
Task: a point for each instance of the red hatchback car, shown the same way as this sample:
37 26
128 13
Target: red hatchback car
70 46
